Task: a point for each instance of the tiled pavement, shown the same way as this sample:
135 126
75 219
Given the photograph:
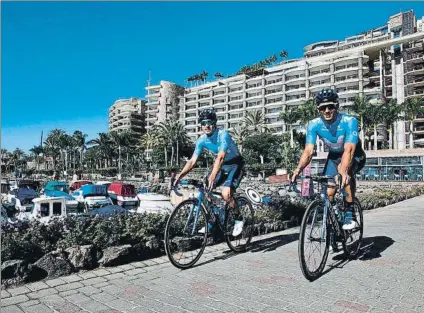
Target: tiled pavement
267 278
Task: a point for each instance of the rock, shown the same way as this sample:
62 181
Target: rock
15 269
82 257
116 255
153 243
54 264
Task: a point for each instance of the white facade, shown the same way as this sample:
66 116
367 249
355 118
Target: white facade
162 102
127 114
387 59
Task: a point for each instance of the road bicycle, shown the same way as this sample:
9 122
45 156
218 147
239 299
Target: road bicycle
184 241
322 225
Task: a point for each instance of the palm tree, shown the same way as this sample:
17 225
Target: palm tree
79 141
239 134
256 120
218 75
391 114
37 151
17 156
284 54
104 144
203 75
412 108
307 111
359 108
53 146
290 117
373 116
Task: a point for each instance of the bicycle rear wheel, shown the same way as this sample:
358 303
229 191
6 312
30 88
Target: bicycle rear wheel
353 242
240 242
184 244
314 237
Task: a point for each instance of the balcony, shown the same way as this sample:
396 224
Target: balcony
253 86
348 90
153 95
348 67
316 74
254 95
293 78
152 110
234 90
320 84
204 96
415 93
219 93
415 58
273 91
414 70
296 100
204 104
274 81
254 104
274 101
190 100
295 89
416 82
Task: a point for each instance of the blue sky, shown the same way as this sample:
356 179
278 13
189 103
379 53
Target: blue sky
65 63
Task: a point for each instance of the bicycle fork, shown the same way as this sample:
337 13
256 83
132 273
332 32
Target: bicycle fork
197 208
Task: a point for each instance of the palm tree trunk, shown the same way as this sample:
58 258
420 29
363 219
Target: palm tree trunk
172 154
178 158
375 136
291 138
362 132
81 152
166 156
119 159
411 134
390 138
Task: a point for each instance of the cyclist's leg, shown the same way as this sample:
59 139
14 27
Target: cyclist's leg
228 187
330 169
357 164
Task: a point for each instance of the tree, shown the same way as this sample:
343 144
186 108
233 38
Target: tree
374 115
239 134
290 117
392 111
262 143
79 141
308 111
359 108
255 120
284 54
412 108
104 145
37 151
218 75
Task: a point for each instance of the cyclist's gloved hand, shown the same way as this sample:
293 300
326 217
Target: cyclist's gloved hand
176 181
295 173
211 182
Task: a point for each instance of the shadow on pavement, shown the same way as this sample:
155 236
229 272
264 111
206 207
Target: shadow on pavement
371 249
373 246
263 245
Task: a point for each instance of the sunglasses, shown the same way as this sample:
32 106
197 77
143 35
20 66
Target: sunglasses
207 123
329 106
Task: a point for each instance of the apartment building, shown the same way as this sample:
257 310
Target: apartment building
387 60
128 114
162 102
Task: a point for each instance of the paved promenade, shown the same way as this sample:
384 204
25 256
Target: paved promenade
388 278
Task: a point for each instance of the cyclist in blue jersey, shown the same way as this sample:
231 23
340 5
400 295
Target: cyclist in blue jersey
339 132
228 167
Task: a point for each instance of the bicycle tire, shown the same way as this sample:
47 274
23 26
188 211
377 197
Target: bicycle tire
353 253
250 226
167 239
308 274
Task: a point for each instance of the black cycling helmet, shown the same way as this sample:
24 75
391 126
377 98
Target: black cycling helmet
327 96
207 114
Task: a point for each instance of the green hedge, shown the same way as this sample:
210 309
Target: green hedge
30 241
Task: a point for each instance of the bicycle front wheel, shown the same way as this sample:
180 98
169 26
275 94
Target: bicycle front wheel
184 239
314 241
353 242
239 243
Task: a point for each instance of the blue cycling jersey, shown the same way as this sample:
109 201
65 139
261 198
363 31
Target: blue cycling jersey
219 141
343 130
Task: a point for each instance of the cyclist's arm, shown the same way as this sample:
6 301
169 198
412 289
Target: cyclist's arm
192 162
311 138
224 138
349 146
